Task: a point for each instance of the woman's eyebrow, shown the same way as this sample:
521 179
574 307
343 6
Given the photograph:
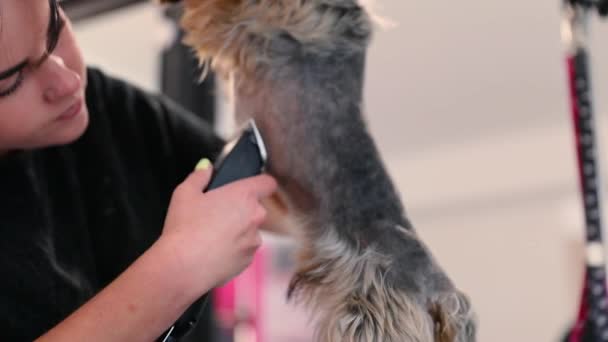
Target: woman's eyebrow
53 30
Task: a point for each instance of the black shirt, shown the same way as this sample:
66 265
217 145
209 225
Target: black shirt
72 218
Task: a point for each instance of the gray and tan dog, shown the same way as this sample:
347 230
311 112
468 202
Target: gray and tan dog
297 68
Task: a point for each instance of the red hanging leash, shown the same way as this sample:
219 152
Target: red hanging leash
592 321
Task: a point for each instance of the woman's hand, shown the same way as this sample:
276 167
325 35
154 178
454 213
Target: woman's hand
207 239
215 234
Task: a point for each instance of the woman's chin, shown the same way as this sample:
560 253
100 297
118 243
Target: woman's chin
69 130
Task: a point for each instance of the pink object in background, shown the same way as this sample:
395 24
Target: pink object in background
224 306
238 304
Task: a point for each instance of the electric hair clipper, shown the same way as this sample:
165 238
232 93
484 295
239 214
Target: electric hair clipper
241 158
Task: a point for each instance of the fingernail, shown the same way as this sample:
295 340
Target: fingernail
203 164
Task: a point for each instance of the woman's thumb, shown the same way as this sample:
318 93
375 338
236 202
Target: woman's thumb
201 175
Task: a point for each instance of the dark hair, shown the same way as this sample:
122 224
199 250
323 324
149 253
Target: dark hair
56 23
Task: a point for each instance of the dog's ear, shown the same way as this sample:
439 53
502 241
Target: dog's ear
169 1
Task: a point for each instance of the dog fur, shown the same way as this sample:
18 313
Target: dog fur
297 68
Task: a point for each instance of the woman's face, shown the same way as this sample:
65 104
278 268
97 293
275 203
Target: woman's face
41 91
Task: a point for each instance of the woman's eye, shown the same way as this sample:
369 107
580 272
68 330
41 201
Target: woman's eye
11 84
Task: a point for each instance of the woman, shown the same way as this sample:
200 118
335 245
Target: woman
88 167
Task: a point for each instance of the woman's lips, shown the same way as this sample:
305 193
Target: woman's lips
72 111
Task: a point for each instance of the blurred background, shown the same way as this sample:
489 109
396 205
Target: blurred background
468 103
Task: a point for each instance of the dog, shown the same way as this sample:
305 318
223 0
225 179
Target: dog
296 67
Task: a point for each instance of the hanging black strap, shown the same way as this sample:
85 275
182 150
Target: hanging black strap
185 323
602 7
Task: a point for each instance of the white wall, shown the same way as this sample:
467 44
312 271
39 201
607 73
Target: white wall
127 43
472 114
467 101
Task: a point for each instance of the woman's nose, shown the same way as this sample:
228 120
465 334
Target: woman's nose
60 81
